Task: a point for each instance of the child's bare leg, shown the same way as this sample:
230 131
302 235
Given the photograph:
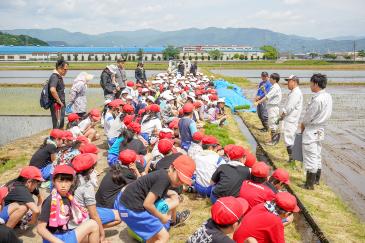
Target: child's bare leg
89 229
16 213
115 222
160 237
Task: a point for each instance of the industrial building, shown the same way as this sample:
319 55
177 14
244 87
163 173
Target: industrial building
51 53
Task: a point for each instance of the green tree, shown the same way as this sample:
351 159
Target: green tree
82 58
89 57
270 52
347 57
103 58
313 55
215 54
96 58
361 53
330 56
171 52
236 56
140 54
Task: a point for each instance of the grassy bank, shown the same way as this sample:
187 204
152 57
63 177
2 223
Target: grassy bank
291 64
333 216
240 81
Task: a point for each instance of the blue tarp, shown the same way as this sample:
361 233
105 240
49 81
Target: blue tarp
233 97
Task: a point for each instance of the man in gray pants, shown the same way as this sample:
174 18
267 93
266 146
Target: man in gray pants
120 77
264 88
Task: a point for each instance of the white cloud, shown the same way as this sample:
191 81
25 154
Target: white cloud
301 17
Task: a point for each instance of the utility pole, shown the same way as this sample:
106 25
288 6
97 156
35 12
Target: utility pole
354 51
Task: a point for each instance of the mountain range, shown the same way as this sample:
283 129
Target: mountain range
193 36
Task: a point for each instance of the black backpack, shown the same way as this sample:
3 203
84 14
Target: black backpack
44 100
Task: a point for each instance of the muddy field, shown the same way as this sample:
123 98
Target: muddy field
344 146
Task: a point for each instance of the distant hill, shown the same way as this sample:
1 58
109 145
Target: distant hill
193 36
20 40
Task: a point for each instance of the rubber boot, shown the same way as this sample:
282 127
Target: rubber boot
309 182
275 137
318 176
290 154
265 127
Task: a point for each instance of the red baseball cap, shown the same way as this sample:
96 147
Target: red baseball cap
174 124
127 156
3 193
63 169
130 83
73 117
135 127
287 202
185 168
197 104
165 146
227 148
208 139
154 108
95 114
260 169
128 119
250 159
116 103
281 175
165 133
88 148
188 107
213 97
56 133
127 108
236 152
82 139
181 112
198 136
141 111
228 210
67 135
31 172
84 162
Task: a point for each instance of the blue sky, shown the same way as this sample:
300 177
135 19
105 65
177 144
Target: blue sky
312 18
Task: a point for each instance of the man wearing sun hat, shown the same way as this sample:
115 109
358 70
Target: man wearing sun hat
226 216
291 113
264 221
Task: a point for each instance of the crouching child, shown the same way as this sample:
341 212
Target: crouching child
58 209
147 205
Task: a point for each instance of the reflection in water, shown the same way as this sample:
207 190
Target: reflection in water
14 127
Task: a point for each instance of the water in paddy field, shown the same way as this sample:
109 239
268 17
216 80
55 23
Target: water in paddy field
39 76
343 150
14 127
345 76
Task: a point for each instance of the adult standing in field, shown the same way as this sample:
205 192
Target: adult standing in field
264 87
291 113
318 112
194 68
108 83
181 68
120 76
140 74
78 100
57 94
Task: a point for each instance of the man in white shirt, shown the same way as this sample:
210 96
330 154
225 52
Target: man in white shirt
273 99
318 112
291 113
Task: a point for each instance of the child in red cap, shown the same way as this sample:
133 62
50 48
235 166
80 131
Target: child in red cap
207 163
187 126
7 235
226 216
58 209
46 154
147 205
84 165
196 144
127 170
264 221
87 126
151 123
20 197
254 190
228 177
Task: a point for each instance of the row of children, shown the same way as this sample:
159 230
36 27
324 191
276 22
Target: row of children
155 156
